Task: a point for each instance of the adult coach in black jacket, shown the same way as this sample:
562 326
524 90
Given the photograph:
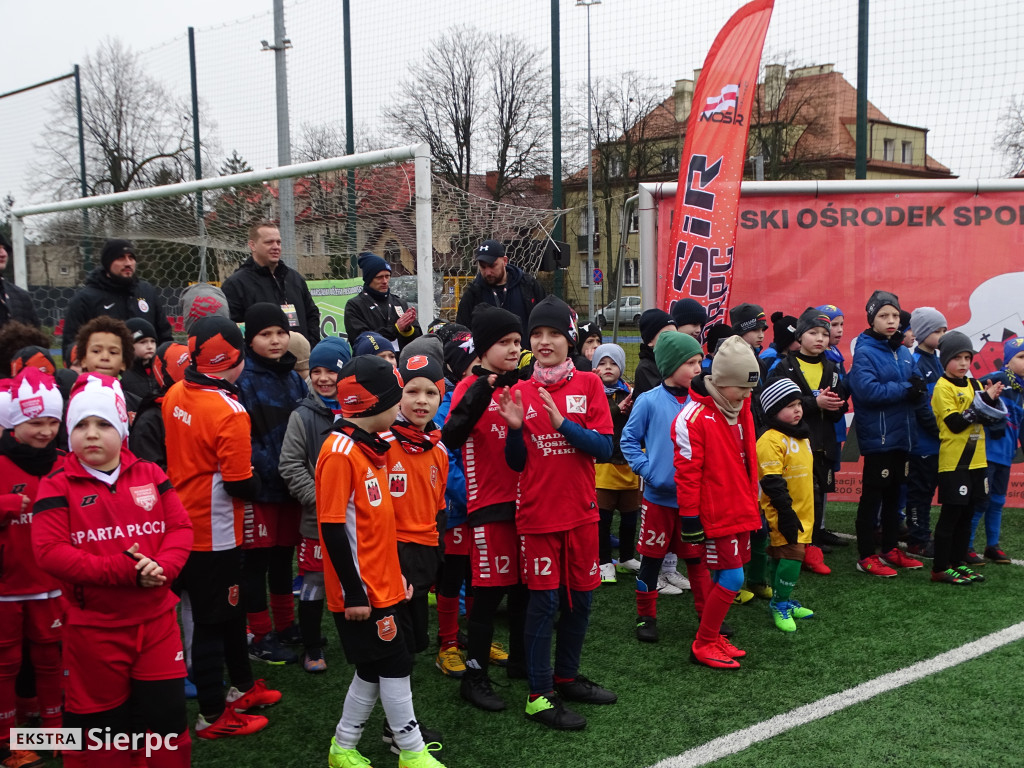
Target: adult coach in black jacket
499 284
263 277
114 289
15 303
378 310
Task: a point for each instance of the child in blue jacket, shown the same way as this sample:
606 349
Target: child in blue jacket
647 446
1001 448
886 392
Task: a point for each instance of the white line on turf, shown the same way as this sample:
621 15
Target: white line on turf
737 741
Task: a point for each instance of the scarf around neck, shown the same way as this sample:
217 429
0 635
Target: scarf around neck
546 376
728 408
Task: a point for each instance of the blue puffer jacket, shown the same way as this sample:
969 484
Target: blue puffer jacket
879 380
270 390
926 434
650 427
1003 449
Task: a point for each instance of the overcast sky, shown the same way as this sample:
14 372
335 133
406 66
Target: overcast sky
948 65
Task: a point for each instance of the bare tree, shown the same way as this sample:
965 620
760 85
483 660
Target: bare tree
627 146
789 122
481 102
1010 136
132 126
519 129
441 103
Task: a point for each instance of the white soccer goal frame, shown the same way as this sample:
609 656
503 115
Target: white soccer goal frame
419 153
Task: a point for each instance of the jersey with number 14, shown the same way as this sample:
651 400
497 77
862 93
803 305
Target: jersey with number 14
557 488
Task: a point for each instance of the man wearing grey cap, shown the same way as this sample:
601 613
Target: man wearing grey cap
500 284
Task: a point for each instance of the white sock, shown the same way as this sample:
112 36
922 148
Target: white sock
669 563
396 698
359 703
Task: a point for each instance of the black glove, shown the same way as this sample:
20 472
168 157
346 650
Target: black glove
917 389
692 530
790 527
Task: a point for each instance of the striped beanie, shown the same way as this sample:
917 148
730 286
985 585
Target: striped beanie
778 395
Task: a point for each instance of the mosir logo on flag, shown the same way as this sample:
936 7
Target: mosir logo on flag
725 101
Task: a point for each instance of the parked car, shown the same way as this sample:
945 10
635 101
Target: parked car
628 311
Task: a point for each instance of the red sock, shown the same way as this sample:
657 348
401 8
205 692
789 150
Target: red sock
259 624
10 663
647 603
700 583
563 680
283 608
181 757
49 682
719 601
448 620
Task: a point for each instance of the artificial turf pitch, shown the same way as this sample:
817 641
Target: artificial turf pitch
865 627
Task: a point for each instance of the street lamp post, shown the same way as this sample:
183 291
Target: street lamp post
590 173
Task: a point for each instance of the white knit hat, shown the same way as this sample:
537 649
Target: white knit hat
95 394
5 403
34 395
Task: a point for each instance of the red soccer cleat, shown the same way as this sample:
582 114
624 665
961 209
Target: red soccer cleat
256 697
896 558
730 649
814 561
230 723
712 655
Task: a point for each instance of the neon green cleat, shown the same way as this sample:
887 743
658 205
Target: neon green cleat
799 612
346 758
743 596
421 759
761 591
782 613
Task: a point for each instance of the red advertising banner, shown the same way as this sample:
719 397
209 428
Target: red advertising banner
699 263
957 251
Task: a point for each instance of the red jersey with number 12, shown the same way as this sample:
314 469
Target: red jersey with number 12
557 489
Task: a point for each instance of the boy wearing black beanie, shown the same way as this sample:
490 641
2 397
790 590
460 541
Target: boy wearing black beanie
488 540
270 390
558 424
824 397
652 323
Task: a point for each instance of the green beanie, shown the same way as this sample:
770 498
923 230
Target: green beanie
673 349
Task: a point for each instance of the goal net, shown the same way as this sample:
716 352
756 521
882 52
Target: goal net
386 201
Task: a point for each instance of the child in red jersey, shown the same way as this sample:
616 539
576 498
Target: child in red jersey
476 426
559 423
716 487
31 605
362 575
111 528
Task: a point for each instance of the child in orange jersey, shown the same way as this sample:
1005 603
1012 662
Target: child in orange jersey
362 574
209 462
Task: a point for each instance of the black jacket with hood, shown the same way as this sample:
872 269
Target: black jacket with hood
518 295
118 298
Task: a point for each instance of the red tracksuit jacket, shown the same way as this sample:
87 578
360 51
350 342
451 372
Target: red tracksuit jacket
713 480
20 574
82 527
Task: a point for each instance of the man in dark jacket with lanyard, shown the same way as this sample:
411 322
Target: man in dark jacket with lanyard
378 310
113 289
500 284
262 277
15 303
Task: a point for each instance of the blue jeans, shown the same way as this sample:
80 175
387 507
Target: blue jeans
998 483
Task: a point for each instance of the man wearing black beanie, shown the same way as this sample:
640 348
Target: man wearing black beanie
652 323
114 289
377 309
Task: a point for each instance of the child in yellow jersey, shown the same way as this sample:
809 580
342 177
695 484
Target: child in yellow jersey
962 408
786 470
